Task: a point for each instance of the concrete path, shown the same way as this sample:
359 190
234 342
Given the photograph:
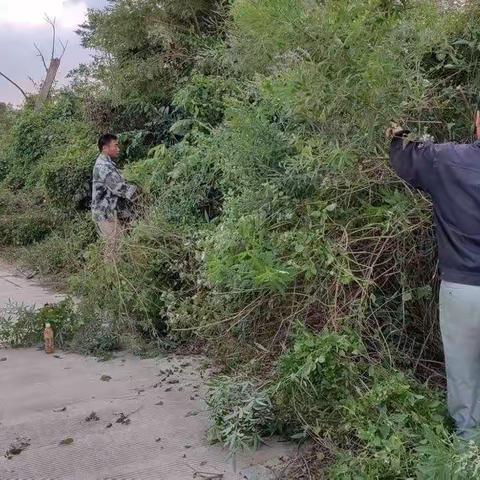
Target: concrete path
75 418
16 289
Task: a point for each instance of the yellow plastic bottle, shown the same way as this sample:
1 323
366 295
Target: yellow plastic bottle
48 337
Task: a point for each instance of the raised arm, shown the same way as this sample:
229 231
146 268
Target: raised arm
412 161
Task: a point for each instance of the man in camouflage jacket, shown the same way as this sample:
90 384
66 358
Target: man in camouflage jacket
111 194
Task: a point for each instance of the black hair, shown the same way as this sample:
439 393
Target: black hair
105 139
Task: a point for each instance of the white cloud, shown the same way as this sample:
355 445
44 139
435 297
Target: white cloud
32 12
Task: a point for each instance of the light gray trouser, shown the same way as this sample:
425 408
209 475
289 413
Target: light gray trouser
111 231
460 326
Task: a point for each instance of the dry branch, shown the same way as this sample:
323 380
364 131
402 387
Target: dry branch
15 84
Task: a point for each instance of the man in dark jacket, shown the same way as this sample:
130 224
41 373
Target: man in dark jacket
450 174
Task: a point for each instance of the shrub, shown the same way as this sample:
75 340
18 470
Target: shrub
189 188
241 412
7 119
66 173
327 386
155 263
152 173
23 326
204 98
146 48
35 132
444 457
317 375
26 218
63 251
379 422
242 257
97 335
25 228
76 328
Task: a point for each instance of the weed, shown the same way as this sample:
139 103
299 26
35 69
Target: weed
443 457
62 252
22 326
242 413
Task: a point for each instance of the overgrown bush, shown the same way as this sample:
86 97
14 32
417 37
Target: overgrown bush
63 251
23 326
76 328
137 288
25 218
444 458
241 412
146 47
271 203
97 334
288 201
7 120
66 174
36 132
203 98
381 423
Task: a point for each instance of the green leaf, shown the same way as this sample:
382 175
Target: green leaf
182 127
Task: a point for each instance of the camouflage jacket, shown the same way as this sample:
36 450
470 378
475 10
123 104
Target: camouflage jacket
110 192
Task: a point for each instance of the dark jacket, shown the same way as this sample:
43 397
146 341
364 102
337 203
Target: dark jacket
450 173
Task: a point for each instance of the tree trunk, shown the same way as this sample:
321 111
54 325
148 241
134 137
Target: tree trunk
47 84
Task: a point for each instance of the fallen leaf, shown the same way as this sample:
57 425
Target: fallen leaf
92 417
66 441
123 419
17 447
105 378
61 409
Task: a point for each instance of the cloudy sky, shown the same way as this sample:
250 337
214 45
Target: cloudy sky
21 24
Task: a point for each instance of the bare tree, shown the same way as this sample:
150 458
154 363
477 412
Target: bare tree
50 70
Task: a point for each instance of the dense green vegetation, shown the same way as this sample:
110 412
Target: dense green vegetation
271 231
